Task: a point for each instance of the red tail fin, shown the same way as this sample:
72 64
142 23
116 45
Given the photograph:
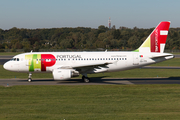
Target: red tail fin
157 39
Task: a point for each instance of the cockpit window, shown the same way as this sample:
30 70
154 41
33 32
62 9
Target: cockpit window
15 59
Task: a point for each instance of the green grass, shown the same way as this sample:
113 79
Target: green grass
9 53
99 102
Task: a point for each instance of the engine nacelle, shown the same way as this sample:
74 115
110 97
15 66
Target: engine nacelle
64 74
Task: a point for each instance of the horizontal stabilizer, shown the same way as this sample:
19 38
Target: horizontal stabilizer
161 56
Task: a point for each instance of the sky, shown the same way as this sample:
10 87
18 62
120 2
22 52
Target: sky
33 14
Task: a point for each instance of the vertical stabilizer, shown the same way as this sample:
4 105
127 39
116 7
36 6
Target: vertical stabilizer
156 40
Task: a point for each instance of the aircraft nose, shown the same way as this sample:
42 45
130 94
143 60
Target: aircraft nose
6 66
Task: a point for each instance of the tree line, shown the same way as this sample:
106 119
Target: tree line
81 38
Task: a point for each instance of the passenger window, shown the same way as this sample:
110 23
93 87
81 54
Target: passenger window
111 58
17 59
122 58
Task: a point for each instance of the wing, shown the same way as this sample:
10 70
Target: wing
88 68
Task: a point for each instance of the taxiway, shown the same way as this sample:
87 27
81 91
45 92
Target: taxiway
94 81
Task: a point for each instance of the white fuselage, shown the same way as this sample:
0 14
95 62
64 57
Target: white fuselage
83 62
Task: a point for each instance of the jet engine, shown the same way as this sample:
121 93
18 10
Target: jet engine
64 74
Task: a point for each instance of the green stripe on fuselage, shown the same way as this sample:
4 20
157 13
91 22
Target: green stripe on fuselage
31 68
34 62
37 62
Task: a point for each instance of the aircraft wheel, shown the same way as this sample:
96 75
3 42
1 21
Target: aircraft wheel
29 79
86 79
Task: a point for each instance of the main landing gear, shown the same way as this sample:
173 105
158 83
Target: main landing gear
85 79
29 77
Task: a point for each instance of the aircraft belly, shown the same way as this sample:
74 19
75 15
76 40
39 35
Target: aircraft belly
23 67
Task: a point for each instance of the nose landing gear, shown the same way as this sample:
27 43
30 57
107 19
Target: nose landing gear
29 77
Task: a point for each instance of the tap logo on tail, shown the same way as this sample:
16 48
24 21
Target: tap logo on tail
156 40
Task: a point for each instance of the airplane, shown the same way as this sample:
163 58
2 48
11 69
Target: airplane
65 65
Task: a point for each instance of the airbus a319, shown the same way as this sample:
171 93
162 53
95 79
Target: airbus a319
65 65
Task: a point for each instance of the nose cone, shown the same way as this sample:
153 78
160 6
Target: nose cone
7 66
